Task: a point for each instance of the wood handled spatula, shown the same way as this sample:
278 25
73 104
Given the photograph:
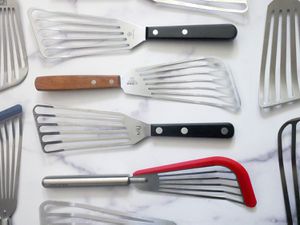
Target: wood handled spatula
204 81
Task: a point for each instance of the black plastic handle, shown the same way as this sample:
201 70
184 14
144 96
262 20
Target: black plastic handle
193 32
203 130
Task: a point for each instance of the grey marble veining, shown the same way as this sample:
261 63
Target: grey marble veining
254 144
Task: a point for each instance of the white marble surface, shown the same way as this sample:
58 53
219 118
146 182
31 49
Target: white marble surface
254 144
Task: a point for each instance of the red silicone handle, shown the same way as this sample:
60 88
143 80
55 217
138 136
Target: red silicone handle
240 172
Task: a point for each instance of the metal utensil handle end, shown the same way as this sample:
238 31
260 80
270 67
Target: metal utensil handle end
6 221
205 130
193 32
85 181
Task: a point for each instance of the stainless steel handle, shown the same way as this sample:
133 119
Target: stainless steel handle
5 221
89 181
85 181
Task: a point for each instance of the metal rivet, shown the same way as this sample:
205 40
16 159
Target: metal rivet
184 130
93 82
155 32
224 131
111 81
159 130
185 31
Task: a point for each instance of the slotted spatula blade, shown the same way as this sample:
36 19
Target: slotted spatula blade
204 81
279 76
13 56
214 177
67 129
228 6
65 35
10 157
288 155
58 212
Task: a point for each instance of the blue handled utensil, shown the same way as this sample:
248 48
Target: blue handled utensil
10 155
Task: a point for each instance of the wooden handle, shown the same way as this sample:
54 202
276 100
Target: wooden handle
63 83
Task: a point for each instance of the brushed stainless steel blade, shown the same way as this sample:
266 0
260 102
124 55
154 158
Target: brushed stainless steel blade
66 129
13 56
204 81
58 212
67 35
279 76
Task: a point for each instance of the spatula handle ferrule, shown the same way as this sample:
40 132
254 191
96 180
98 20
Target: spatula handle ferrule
209 130
85 181
193 32
63 83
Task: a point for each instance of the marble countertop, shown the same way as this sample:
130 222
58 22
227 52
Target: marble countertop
254 144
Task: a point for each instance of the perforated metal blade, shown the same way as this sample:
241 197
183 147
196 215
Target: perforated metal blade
279 76
13 56
288 155
10 156
231 6
57 212
204 81
67 35
66 129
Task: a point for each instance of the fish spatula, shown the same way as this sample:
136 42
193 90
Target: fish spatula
66 129
230 6
10 158
214 177
288 155
13 56
66 35
204 81
58 212
279 75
